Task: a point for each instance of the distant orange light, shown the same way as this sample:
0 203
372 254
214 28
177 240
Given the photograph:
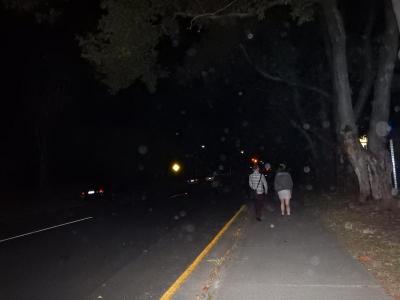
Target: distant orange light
176 167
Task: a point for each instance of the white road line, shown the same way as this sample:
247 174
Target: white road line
44 229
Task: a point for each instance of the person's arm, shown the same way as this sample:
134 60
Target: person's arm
291 181
265 184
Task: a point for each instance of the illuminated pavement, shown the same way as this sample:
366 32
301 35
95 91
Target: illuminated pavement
280 259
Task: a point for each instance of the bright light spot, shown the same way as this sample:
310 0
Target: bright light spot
142 149
241 151
364 141
203 146
307 169
209 178
91 192
272 226
176 167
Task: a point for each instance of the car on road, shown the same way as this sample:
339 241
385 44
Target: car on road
93 193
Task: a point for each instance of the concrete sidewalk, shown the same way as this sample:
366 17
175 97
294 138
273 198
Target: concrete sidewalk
281 258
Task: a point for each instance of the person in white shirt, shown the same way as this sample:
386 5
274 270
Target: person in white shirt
258 184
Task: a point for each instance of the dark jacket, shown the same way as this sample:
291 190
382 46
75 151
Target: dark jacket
283 181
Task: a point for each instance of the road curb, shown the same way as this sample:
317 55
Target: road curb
173 289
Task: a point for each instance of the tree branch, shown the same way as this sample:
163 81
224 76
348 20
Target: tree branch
267 75
211 14
217 14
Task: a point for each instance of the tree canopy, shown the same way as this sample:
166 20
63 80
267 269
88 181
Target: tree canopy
124 48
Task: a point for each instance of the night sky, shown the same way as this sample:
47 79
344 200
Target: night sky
93 135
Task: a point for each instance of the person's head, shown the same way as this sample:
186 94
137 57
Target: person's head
282 167
256 168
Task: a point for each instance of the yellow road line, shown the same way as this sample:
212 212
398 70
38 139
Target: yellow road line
182 278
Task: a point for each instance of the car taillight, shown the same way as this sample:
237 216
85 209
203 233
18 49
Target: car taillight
101 190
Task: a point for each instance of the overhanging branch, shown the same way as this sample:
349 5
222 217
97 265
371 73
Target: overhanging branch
222 14
269 76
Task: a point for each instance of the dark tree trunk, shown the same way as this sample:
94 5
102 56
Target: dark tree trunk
378 128
347 130
396 9
369 72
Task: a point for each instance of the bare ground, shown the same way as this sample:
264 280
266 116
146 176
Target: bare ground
370 234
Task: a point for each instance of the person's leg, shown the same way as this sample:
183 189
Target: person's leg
282 207
258 206
287 204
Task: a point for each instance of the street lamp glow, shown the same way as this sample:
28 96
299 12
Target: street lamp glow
242 151
203 146
176 167
254 160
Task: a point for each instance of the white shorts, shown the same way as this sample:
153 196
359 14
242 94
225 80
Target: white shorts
284 194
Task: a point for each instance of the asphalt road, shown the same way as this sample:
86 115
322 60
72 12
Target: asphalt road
118 252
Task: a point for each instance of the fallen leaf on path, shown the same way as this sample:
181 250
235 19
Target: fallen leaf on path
364 258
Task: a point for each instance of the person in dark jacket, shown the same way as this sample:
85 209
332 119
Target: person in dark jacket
283 185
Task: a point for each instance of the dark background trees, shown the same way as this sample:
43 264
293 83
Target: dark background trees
252 75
